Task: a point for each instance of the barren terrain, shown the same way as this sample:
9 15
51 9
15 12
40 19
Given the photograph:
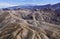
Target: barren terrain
29 24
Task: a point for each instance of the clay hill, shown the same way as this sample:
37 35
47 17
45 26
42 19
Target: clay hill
23 23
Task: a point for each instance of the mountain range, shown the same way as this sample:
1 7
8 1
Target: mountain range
30 22
54 7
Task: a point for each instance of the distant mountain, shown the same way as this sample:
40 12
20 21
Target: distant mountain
28 7
54 6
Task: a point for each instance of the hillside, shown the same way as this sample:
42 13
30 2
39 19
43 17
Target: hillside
30 24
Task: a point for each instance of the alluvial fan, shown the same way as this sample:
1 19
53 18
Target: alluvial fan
29 24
